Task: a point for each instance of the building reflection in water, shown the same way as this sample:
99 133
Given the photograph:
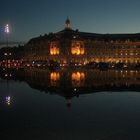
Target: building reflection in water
78 79
54 78
68 102
73 82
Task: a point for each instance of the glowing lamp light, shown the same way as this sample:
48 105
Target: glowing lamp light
5 53
7 29
8 100
75 89
6 75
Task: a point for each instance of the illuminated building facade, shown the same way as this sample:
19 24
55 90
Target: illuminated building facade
80 48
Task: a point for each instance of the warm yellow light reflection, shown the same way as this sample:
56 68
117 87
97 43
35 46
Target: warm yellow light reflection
54 50
77 78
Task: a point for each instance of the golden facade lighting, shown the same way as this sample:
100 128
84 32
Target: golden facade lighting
77 48
54 76
54 50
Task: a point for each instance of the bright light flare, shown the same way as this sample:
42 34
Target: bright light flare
7 29
8 100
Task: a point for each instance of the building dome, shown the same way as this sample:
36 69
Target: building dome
67 23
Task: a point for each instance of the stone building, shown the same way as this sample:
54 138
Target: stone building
74 47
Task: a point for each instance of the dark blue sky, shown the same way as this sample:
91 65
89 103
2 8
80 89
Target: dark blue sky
30 18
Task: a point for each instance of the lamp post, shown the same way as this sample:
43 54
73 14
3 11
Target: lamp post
7 31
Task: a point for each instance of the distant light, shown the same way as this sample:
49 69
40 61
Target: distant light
8 100
75 89
7 29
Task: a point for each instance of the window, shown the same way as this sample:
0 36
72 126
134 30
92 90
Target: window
54 50
77 48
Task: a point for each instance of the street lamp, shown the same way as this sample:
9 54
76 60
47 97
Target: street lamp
7 31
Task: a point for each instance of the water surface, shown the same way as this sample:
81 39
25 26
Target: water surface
75 104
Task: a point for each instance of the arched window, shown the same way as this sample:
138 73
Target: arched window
77 48
54 50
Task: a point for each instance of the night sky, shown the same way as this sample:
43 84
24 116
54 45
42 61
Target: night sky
31 18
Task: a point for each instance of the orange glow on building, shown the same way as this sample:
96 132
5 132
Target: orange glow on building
54 50
54 76
77 48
